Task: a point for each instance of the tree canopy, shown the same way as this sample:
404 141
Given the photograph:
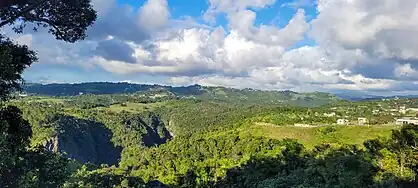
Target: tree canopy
14 59
66 19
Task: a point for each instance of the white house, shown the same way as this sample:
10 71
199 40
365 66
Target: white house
362 121
406 120
341 121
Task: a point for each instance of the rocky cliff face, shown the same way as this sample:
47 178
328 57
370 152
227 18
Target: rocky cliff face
153 130
90 141
85 141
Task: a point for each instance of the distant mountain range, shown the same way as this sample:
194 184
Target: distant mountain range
359 96
248 96
202 92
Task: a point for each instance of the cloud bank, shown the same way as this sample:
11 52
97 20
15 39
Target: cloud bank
357 45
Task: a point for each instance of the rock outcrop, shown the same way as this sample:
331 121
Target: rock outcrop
85 141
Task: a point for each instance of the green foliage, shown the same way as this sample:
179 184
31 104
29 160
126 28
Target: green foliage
208 158
294 115
190 116
66 20
14 138
109 177
157 92
44 169
398 155
324 167
312 136
224 144
218 145
21 167
41 117
14 59
232 159
129 129
327 130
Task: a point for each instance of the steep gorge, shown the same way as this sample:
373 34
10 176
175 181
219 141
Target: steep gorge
99 139
85 141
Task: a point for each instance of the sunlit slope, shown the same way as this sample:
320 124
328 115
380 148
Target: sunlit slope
311 136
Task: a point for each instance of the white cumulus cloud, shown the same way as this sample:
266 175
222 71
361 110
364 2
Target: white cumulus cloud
359 45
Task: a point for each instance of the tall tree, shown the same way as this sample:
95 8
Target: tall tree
13 60
15 133
66 19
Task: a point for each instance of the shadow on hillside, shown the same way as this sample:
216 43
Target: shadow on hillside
85 141
154 131
323 168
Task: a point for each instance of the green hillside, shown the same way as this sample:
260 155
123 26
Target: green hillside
244 96
310 137
137 140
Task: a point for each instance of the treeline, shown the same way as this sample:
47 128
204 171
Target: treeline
98 88
295 115
221 94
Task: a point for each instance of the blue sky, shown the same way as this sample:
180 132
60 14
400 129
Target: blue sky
276 15
301 45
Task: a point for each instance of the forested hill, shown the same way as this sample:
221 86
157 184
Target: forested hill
250 96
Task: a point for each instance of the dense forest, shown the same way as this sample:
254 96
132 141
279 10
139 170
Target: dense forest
247 96
133 141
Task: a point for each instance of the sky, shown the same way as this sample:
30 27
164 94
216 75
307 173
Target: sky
301 45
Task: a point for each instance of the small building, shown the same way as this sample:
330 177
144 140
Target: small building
362 121
330 114
341 121
302 125
401 121
406 120
413 109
